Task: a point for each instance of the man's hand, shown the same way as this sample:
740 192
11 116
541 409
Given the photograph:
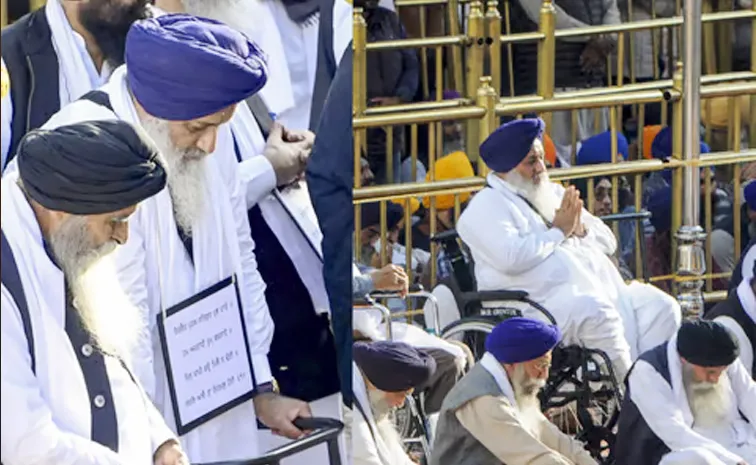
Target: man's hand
567 218
288 152
385 101
170 453
278 413
390 278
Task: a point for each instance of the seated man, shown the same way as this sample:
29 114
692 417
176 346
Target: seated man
68 394
383 375
493 415
689 401
738 314
529 234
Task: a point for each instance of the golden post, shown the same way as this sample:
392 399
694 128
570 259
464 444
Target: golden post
474 69
546 54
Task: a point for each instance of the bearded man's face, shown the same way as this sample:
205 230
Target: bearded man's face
109 21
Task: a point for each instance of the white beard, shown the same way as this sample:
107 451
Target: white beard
386 428
526 394
541 195
238 14
114 324
710 404
185 170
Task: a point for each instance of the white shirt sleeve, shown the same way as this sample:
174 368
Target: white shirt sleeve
657 404
746 349
28 433
258 178
744 388
6 117
342 28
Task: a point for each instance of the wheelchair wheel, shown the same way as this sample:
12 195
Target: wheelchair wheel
472 332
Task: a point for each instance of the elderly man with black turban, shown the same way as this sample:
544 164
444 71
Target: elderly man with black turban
68 395
689 401
191 246
493 415
384 373
530 234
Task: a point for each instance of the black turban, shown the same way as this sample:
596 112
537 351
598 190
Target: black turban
371 214
707 344
89 168
393 366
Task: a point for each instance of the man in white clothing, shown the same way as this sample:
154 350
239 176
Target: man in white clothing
529 234
58 53
690 401
384 373
68 396
183 78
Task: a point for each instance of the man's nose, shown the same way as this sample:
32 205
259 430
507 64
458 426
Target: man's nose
207 140
121 233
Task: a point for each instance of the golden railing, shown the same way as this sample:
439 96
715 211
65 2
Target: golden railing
481 107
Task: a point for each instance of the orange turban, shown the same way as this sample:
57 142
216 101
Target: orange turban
456 165
549 150
649 134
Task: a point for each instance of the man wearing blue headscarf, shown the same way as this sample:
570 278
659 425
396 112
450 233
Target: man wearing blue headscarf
183 78
529 234
493 415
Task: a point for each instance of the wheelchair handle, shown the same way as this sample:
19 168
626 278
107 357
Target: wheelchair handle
325 430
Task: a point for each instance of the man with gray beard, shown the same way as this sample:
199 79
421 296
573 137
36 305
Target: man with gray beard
384 373
68 395
493 415
191 243
527 233
689 401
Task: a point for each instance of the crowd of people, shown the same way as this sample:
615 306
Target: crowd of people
164 294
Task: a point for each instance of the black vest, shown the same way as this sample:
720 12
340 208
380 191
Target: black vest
734 309
33 70
636 443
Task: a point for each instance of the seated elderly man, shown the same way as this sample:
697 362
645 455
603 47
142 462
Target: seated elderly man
493 415
530 234
689 401
383 375
738 314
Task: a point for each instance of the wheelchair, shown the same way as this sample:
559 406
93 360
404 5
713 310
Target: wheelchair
323 430
581 381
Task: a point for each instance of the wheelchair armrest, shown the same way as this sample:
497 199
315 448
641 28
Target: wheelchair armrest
323 430
640 216
490 296
445 236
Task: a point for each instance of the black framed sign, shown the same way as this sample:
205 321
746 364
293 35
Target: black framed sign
206 353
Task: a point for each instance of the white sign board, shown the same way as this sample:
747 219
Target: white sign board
205 347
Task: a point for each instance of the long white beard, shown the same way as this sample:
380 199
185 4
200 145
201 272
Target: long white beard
185 170
526 394
238 14
114 324
386 428
709 403
540 194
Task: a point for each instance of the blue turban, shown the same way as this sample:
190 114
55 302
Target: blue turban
517 340
393 366
598 149
661 147
181 67
750 195
507 146
660 207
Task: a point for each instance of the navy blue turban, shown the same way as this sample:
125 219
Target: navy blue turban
661 147
517 340
89 168
181 67
707 344
507 146
371 214
598 149
660 207
393 366
750 195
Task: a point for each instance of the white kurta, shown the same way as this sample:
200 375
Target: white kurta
288 223
157 273
748 301
46 418
572 278
667 411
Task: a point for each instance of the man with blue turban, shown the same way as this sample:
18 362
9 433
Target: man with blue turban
527 233
493 415
183 79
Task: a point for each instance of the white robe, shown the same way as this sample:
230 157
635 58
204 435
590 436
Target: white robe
572 278
46 418
288 222
667 411
156 273
748 301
